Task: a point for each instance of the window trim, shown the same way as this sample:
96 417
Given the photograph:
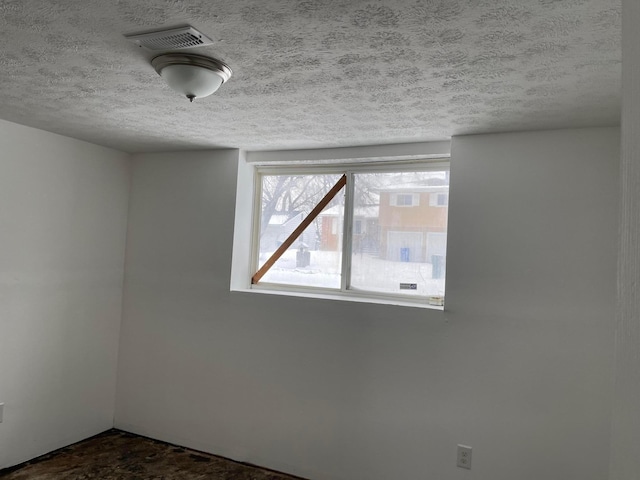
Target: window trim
345 292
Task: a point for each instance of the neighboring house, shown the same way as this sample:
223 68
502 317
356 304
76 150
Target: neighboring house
409 225
279 228
413 222
365 229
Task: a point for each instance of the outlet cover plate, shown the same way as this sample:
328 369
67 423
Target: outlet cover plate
464 457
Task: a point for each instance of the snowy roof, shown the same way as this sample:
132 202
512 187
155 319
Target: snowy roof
281 219
278 219
370 211
415 188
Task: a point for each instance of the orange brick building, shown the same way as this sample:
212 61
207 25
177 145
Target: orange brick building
409 224
413 222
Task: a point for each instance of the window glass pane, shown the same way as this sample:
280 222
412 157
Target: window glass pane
315 257
397 249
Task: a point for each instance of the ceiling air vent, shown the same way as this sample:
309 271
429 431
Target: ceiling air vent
171 39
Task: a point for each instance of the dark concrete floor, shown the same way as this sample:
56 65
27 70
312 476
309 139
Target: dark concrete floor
116 455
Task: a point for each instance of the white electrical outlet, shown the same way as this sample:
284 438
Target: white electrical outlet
1 411
464 457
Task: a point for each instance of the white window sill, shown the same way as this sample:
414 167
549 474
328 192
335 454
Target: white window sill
348 297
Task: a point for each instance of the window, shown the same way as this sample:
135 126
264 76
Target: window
332 230
404 200
439 199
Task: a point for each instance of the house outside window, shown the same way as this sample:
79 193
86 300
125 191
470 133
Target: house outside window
365 242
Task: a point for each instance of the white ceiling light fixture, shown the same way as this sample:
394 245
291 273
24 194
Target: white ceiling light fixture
194 76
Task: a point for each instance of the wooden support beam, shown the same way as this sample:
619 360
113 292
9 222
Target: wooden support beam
299 229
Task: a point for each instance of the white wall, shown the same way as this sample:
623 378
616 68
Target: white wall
63 209
519 367
625 444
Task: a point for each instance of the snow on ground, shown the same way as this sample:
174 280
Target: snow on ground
368 272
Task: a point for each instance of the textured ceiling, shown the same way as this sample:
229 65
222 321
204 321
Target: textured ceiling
311 73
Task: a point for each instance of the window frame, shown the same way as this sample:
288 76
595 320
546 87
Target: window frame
349 169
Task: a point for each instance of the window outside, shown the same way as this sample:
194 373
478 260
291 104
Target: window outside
315 258
394 250
400 250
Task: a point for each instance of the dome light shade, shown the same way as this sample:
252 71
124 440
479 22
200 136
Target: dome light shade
193 76
191 81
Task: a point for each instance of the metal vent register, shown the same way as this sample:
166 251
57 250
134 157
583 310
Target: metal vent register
171 39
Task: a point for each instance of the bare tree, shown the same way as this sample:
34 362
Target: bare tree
291 195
